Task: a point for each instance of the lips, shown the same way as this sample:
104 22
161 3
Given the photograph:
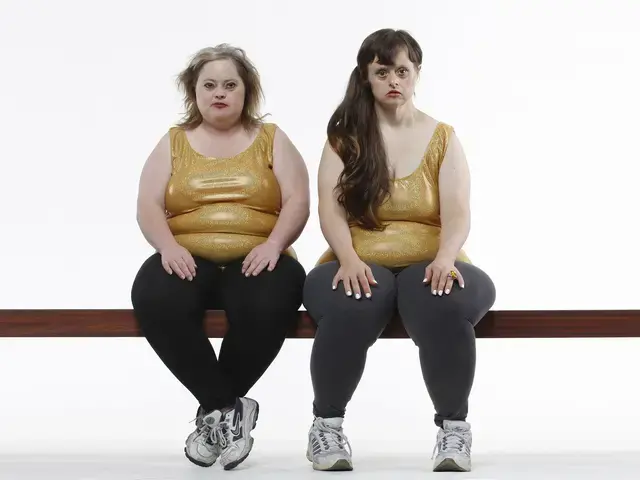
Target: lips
393 93
219 105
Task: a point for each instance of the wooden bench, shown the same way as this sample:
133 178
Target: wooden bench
496 324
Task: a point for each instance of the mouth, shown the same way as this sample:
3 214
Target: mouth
393 93
219 105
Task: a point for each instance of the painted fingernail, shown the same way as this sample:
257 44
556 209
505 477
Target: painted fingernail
447 291
368 295
424 281
357 296
349 293
434 292
440 293
333 287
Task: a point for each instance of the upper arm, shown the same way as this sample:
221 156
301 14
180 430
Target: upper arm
454 180
290 169
329 171
155 174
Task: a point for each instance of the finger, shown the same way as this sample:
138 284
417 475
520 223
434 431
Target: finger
364 282
346 283
444 276
435 278
261 266
191 265
355 286
335 281
448 286
460 279
428 273
272 264
251 267
166 267
247 261
175 266
184 269
370 278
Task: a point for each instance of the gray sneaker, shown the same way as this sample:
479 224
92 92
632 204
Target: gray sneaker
326 449
201 446
453 447
234 432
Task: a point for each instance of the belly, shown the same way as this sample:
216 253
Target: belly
223 232
399 245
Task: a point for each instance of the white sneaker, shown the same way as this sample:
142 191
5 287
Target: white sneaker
234 432
453 447
326 449
201 446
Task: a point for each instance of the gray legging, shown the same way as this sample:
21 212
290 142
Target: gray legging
441 327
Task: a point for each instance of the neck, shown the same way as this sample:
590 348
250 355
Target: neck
397 116
221 128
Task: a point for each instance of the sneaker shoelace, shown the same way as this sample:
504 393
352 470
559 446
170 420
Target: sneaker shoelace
451 442
331 439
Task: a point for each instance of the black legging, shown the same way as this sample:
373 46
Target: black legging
441 327
260 310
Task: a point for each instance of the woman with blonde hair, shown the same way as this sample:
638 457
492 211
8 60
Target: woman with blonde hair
222 197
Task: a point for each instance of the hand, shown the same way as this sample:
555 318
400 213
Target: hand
264 255
438 275
176 258
354 275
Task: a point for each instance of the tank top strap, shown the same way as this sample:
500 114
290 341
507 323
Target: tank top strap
437 150
268 134
179 147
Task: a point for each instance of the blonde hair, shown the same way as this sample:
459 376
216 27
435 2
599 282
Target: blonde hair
188 78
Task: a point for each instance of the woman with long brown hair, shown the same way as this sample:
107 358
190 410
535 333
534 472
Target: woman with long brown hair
393 186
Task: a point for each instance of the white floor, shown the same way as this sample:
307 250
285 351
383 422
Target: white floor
261 465
106 409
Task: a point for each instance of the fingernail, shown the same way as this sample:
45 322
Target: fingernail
440 293
349 293
447 291
462 286
357 296
333 287
434 292
368 295
424 281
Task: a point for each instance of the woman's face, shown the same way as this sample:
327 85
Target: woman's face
393 85
220 92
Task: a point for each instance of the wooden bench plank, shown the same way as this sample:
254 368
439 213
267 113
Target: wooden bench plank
496 324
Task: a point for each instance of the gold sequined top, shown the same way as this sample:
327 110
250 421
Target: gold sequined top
411 213
221 208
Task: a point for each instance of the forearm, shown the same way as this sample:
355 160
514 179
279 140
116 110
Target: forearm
337 234
290 224
453 235
153 224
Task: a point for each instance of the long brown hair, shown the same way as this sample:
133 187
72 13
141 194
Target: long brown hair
354 134
188 78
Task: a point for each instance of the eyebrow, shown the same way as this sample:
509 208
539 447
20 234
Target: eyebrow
225 80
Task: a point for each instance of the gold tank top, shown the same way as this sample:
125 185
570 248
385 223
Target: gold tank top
221 208
411 213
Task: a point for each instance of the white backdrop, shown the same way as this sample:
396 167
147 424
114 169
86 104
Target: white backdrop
544 96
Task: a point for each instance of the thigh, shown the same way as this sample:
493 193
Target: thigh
326 304
154 287
270 293
416 302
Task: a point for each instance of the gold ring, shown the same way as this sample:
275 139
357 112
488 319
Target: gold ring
453 274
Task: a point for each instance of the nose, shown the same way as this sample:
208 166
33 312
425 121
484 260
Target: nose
220 94
393 81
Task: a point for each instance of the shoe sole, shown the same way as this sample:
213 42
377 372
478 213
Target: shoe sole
449 465
233 465
196 462
339 466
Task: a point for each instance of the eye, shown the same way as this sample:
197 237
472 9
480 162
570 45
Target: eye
231 85
208 85
403 71
382 72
